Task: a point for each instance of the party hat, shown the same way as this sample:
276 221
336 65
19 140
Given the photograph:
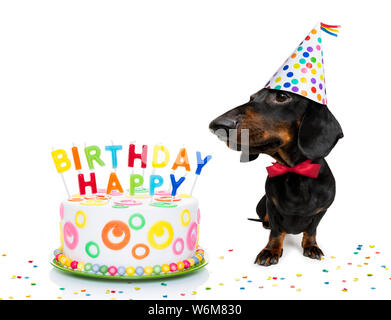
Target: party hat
303 72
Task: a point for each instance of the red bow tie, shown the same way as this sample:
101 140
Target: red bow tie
305 168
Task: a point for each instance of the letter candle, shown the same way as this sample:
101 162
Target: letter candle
93 155
200 165
60 157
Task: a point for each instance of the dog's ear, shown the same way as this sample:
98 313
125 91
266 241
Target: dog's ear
244 157
319 132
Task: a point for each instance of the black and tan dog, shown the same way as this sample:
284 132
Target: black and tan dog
291 129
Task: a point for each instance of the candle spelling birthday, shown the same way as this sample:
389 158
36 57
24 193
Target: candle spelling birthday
160 159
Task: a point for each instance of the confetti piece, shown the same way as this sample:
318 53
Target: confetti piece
324 270
298 289
165 296
230 250
242 288
298 275
183 294
163 284
355 279
372 246
274 285
221 284
194 292
369 274
332 257
338 267
137 288
237 279
327 282
344 289
59 297
33 284
208 288
221 257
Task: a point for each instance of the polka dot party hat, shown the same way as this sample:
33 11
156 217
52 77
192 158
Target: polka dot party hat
302 73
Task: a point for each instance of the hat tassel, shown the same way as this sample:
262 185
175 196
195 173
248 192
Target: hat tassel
330 29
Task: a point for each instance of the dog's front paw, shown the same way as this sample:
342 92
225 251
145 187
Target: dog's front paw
313 252
268 257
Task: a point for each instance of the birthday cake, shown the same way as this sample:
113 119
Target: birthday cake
118 235
137 233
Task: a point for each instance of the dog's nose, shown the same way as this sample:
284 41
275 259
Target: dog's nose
223 122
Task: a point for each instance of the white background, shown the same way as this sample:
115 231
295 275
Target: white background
160 71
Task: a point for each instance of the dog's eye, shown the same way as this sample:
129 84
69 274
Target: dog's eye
281 97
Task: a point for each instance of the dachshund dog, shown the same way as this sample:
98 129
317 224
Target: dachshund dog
291 129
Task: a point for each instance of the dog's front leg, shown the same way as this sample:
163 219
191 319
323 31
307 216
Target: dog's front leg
273 250
309 244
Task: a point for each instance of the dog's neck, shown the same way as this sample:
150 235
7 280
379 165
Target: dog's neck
288 155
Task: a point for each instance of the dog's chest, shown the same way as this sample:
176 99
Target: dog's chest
292 194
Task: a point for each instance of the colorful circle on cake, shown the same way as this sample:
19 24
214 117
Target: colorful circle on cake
130 271
88 249
173 267
74 264
93 202
112 270
180 265
141 196
95 268
191 238
75 199
118 229
162 193
158 230
128 202
77 220
148 270
120 206
103 269
140 256
163 204
157 269
137 216
139 271
121 271
185 221
165 268
175 246
141 190
70 231
80 266
167 199
88 267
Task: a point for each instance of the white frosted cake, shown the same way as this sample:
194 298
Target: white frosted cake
120 235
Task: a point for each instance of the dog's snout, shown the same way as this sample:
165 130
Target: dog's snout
224 123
